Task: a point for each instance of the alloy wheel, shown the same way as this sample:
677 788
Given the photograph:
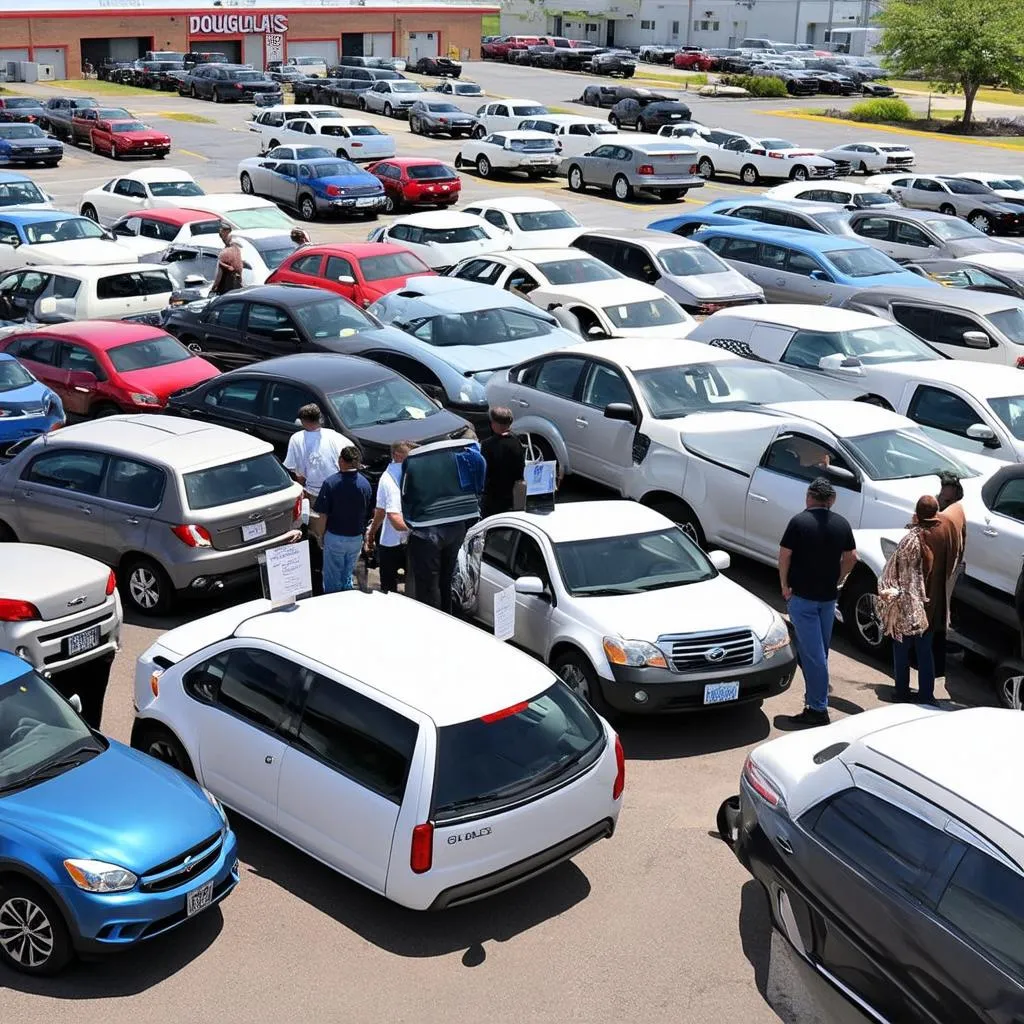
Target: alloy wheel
1012 692
26 933
144 587
163 750
575 678
866 620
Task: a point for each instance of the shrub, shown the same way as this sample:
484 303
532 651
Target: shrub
757 85
881 110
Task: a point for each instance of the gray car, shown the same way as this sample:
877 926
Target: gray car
440 117
979 205
174 506
689 272
391 98
666 168
911 234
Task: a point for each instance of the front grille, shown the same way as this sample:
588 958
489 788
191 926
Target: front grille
689 653
187 865
842 166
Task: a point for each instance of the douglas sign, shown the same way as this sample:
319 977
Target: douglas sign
236 24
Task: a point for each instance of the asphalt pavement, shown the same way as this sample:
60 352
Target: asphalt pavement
659 924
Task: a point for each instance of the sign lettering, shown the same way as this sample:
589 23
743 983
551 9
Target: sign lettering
236 24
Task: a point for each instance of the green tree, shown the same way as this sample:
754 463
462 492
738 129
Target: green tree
958 44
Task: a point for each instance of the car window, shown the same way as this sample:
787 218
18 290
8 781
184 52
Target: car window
1010 500
495 218
939 326
801 263
264 319
118 286
233 482
936 407
803 457
559 375
362 739
77 358
529 559
498 545
39 350
483 271
872 227
229 315
253 684
65 287
909 234
70 470
158 229
285 400
337 268
604 386
134 483
740 249
307 265
927 185
235 396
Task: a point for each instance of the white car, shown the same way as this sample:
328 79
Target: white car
268 122
683 131
751 159
533 153
239 210
400 770
55 237
853 195
140 189
441 238
263 251
525 270
343 137
19 192
574 134
151 231
458 87
1009 186
873 157
505 115
391 97
625 608
530 223
313 67
975 408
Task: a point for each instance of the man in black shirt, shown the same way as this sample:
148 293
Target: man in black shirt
817 551
506 463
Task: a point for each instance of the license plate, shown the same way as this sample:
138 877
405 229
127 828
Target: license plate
368 201
538 160
78 643
199 899
675 117
41 149
720 693
253 531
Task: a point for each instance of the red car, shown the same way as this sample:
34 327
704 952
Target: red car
102 367
169 224
360 271
417 181
498 49
693 60
128 138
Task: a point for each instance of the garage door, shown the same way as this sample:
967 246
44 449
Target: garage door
54 56
422 44
377 44
325 49
11 55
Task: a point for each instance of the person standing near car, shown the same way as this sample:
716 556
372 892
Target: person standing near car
387 518
816 553
229 265
506 464
345 504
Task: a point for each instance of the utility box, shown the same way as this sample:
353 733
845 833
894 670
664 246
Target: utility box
45 72
28 71
13 69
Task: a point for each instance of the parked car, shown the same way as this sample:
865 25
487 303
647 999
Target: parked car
505 115
141 189
21 109
362 272
230 83
904 843
1007 186
58 112
873 157
263 250
267 122
797 81
84 120
24 143
391 98
99 368
417 181
607 95
666 169
965 273
299 153
286 75
341 137
574 135
440 117
314 67
48 236
530 223
685 270
440 238
148 232
448 87
850 194
438 66
647 115
1007 267
693 60
729 60
195 57
532 153
819 218
153 74
979 205
27 408
345 92
907 235
129 138
601 589
20 192
314 188
751 159
498 49
613 62
656 54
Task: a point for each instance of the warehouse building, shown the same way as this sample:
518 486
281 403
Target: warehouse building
60 35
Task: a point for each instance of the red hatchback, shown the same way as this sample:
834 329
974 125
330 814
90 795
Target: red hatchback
102 367
417 181
128 138
361 271
693 60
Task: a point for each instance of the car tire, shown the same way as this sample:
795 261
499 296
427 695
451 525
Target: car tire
749 175
483 166
1010 687
389 111
682 515
216 96
575 670
113 152
245 182
576 182
7 535
799 173
948 210
45 943
88 210
863 168
92 144
613 121
621 188
162 745
479 131
361 103
876 400
192 92
146 588
104 409
273 145
414 126
980 220
706 169
389 204
641 125
857 603
307 207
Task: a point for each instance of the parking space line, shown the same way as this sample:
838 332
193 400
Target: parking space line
198 156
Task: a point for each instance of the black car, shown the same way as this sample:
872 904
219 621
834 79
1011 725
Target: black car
29 144
961 274
313 90
230 83
152 74
798 83
20 108
834 84
876 89
110 70
373 74
729 61
286 74
443 67
370 404
539 56
648 115
196 57
613 62
345 92
607 95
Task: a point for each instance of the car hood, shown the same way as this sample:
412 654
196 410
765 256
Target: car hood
471 359
897 279
121 807
553 238
384 286
95 251
726 285
32 143
450 254
970 246
431 428
164 380
903 494
145 135
348 181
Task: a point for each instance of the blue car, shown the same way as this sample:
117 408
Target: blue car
29 144
822 218
20 192
792 265
101 847
27 406
319 187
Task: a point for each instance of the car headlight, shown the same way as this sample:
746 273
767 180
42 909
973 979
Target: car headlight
141 398
776 638
198 306
634 653
216 805
98 876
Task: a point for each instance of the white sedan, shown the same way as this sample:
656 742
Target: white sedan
873 157
843 193
60 238
533 153
1009 186
343 137
751 159
441 238
622 605
140 189
525 270
529 222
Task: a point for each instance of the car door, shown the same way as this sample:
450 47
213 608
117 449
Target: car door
119 295
779 285
235 402
343 779
270 331
126 196
41 355
495 569
500 118
282 401
605 446
132 492
303 270
82 379
923 194
945 413
945 330
342 277
10 240
548 393
262 177
732 155
20 292
221 333
811 280
996 539
283 182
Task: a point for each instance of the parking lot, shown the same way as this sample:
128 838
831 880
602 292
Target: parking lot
660 924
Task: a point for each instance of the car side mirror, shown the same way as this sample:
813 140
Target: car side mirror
720 560
976 339
837 361
984 433
820 275
47 306
597 331
842 476
531 585
433 391
621 411
285 334
82 379
346 279
76 702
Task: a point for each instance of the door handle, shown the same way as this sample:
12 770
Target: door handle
784 844
132 520
757 497
989 532
522 404
269 759
81 391
85 510
781 282
581 422
25 494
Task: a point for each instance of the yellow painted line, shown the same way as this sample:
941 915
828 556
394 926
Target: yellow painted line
198 156
891 129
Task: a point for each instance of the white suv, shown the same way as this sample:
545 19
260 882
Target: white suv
434 771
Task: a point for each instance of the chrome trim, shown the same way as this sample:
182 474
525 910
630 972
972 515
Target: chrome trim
850 994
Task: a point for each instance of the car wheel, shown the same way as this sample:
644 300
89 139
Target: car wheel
799 173
1010 687
613 121
246 184
749 175
361 103
948 210
863 168
389 111
389 204
162 745
192 92
307 208
104 409
273 145
194 345
483 167
90 211
479 131
146 586
33 936
875 400
576 182
414 125
113 152
981 221
342 155
575 670
92 144
858 603
216 96
706 169
622 188
641 125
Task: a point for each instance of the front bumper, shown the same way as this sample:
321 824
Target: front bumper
32 154
264 99
358 204
16 428
668 692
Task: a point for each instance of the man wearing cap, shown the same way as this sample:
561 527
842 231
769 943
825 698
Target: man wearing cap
817 552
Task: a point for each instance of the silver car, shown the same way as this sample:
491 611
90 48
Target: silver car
391 98
175 506
979 205
913 234
440 117
689 272
666 168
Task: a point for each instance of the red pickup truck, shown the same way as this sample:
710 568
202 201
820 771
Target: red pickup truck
498 49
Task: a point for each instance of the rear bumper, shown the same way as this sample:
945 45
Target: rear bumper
210 565
663 183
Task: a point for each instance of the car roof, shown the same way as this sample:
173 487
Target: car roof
796 237
540 255
406 161
147 174
39 216
326 370
518 204
903 213
429 295
953 298
801 317
982 380
651 353
285 294
507 99
589 520
474 677
522 133
102 334
7 177
986 176
609 291
172 214
655 239
567 119
442 218
357 250
846 419
91 272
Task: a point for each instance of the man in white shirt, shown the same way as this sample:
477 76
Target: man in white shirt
387 517
313 451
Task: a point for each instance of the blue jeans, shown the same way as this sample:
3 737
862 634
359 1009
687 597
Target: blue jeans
340 556
812 623
925 665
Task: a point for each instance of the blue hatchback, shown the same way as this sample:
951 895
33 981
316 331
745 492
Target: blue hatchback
27 406
313 187
101 846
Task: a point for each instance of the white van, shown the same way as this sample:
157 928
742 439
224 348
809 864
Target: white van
434 771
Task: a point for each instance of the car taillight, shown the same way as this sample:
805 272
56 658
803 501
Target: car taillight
443 120
193 536
759 783
297 508
757 152
620 770
693 168
777 156
1020 362
645 169
421 854
111 583
12 610
239 86
335 190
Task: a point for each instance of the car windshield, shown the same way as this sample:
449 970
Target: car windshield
691 261
1010 322
777 144
13 375
396 264
871 345
17 193
576 271
545 220
119 127
1009 409
41 735
364 129
962 187
246 76
951 229
309 60
479 327
673 391
384 401
169 189
431 172
513 753
235 481
341 169
66 230
405 87
15 103
649 313
864 262
142 355
468 90
274 251
1007 184
332 318
443 108
902 455
529 111
453 236
21 131
865 199
259 217
631 563
532 145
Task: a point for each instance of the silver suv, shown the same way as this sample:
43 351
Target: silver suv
174 506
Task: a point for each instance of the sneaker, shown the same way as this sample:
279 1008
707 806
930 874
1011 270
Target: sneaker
808 718
893 696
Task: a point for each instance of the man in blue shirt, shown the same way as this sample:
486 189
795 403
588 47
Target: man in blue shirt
345 504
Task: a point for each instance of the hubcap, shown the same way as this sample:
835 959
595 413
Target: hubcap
144 587
163 751
748 177
620 189
577 179
1012 687
865 617
26 934
981 223
704 169
573 677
